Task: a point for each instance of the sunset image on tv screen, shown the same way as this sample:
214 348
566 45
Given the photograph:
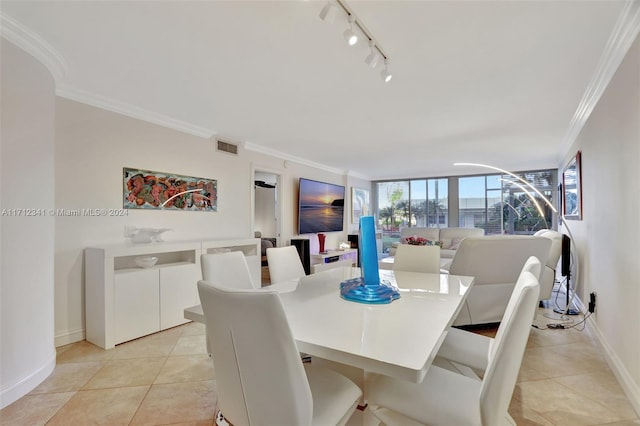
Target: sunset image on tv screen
321 207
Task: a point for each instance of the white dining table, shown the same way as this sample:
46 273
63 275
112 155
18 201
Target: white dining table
399 339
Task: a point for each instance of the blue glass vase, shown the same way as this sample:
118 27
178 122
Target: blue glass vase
368 288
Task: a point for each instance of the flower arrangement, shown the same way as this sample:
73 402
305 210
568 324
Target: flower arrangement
416 241
420 241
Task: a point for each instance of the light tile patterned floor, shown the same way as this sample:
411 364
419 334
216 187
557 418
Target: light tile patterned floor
167 378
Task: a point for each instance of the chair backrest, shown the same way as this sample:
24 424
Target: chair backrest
507 349
259 375
555 251
532 265
284 264
496 259
417 258
448 235
228 268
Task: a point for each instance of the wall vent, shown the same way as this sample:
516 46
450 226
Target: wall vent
227 147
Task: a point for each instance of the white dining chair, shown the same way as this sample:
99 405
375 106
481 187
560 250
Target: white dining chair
284 264
446 397
464 348
230 268
260 379
412 258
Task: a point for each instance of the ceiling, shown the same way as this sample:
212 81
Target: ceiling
493 82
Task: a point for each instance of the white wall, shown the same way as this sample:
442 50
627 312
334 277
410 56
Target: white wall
27 242
608 236
92 147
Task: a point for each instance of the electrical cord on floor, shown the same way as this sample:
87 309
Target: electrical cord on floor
565 325
560 291
564 322
564 319
583 322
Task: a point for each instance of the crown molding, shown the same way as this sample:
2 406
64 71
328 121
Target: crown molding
287 157
36 46
622 37
351 173
181 126
132 111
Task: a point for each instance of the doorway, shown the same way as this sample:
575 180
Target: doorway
266 214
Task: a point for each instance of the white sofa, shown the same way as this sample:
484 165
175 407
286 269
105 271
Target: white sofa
450 237
548 277
495 261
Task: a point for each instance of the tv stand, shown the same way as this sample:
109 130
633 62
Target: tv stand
334 259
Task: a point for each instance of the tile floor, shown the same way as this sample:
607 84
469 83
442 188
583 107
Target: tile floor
167 378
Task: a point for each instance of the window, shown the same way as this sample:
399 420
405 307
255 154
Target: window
496 203
524 211
478 197
438 203
409 203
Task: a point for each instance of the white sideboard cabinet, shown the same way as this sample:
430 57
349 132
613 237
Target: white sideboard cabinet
124 302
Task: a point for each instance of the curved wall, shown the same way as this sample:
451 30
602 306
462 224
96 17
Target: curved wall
27 352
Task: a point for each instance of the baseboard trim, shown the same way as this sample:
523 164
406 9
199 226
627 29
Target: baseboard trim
630 388
68 337
28 383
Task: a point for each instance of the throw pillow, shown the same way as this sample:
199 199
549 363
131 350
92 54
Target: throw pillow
455 242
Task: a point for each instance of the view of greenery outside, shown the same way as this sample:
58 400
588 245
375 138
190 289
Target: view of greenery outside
420 202
499 204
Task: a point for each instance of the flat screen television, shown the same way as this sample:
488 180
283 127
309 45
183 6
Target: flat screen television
320 207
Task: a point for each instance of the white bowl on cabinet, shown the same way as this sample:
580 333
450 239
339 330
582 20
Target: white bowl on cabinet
145 261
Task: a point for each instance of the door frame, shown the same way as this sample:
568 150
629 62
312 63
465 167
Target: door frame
279 207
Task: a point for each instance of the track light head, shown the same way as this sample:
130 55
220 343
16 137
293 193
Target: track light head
349 35
328 13
385 74
377 54
373 57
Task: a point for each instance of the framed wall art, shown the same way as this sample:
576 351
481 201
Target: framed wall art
144 189
359 204
572 188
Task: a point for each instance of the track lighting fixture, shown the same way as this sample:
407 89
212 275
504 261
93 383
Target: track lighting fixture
372 58
351 36
327 13
385 74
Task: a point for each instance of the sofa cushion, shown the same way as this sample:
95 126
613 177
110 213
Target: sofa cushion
428 233
447 238
450 235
